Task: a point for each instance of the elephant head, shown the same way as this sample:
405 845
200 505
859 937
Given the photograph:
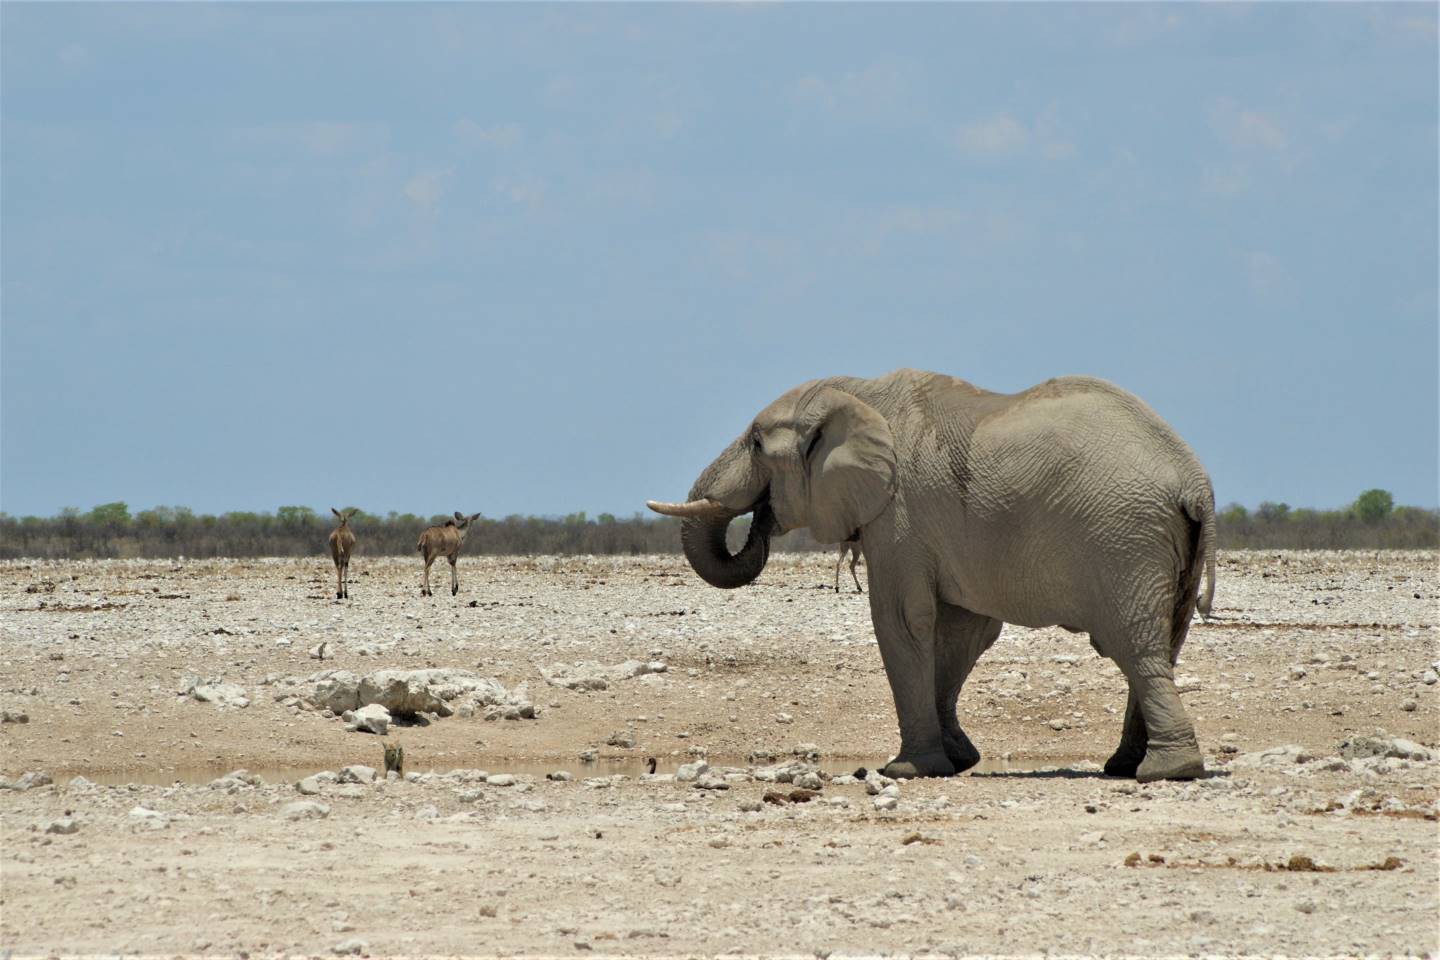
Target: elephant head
818 457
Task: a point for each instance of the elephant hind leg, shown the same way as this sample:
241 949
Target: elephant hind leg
960 638
1171 752
1125 761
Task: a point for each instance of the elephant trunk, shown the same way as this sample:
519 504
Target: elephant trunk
703 540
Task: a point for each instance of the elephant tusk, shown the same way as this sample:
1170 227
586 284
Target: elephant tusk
695 509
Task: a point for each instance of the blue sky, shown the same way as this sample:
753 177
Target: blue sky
545 258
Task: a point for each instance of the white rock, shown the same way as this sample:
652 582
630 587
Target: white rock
309 786
500 780
357 773
64 825
305 810
886 802
352 947
371 718
148 819
687 772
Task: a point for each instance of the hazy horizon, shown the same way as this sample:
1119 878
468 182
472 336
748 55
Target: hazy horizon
543 258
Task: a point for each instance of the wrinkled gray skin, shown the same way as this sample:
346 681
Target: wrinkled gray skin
1070 503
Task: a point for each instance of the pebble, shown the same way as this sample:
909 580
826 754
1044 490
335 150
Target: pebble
559 776
886 802
501 780
357 773
64 826
352 947
13 716
308 786
751 806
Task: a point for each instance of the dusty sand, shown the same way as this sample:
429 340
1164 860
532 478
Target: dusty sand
1031 856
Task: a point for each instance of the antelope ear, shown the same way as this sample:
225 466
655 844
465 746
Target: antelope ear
334 511
472 518
851 465
459 515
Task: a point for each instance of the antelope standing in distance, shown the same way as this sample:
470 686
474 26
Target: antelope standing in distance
853 548
444 541
342 541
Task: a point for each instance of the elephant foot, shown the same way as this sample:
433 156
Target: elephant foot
1125 762
960 750
1180 761
908 767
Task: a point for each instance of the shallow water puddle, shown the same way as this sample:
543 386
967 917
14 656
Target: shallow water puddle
629 767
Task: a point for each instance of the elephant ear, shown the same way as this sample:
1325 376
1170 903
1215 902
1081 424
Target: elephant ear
851 465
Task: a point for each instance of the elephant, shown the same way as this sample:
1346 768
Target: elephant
1070 503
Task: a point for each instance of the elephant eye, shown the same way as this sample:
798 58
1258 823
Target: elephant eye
814 442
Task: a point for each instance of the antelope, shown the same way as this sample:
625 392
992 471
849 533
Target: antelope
342 541
444 541
853 548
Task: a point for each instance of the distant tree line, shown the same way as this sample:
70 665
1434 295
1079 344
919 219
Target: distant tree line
111 530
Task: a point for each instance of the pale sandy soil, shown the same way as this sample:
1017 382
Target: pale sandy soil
1312 648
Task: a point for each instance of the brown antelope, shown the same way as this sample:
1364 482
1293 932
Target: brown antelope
342 541
853 548
444 541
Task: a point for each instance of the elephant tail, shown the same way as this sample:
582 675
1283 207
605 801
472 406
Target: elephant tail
1200 508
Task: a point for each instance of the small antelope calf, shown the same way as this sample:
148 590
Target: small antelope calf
444 541
342 541
853 548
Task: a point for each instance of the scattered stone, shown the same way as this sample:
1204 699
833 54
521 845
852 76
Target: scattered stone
1058 724
589 675
14 716
218 692
427 812
886 803
588 756
559 776
624 739
352 947
783 717
63 826
751 806
357 773
709 781
26 781
308 786
501 780
305 810
801 795
1281 756
1382 745
806 751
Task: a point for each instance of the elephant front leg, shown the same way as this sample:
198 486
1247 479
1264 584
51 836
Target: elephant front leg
905 630
960 638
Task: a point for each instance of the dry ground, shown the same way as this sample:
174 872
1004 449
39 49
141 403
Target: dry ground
1029 857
